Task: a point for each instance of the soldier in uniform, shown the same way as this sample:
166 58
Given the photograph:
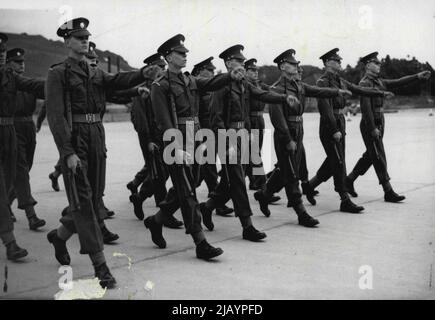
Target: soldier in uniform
151 144
75 98
256 181
104 212
373 124
332 130
288 135
10 83
275 174
208 171
26 144
175 101
230 110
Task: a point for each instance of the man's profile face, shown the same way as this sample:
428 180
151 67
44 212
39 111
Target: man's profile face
334 64
233 63
79 45
374 67
177 59
252 74
206 73
290 69
17 66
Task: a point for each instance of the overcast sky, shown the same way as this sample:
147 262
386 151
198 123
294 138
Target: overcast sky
135 28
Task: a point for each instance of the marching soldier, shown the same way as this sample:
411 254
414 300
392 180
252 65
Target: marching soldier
373 124
75 98
288 135
208 171
256 119
151 143
10 83
104 212
275 174
26 144
175 101
230 110
333 130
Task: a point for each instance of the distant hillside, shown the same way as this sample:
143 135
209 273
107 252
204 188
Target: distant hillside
41 53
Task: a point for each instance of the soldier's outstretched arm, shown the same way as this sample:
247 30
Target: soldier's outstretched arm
394 83
34 86
320 92
363 91
122 80
56 113
217 82
266 96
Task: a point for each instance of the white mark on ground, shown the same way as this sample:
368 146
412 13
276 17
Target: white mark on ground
84 289
118 254
149 286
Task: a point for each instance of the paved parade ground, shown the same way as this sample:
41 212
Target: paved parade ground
387 252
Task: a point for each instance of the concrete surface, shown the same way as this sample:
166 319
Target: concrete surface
397 241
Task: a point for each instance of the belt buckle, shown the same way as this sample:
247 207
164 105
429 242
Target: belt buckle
90 117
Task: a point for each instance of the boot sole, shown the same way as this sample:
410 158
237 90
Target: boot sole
218 253
173 226
39 225
108 284
22 254
109 241
257 239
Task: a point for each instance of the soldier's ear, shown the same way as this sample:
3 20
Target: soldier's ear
67 41
168 58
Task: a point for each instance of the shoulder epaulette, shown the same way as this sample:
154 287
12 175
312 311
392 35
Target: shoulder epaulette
56 64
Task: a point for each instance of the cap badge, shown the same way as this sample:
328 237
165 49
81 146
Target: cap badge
82 25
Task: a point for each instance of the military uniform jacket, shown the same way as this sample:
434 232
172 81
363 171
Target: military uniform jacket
26 104
143 118
87 92
370 105
10 84
232 103
285 130
257 105
204 110
186 91
326 106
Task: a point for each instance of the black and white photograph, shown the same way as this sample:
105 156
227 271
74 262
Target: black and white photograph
225 152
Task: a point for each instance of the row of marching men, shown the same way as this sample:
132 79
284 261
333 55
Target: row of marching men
76 92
